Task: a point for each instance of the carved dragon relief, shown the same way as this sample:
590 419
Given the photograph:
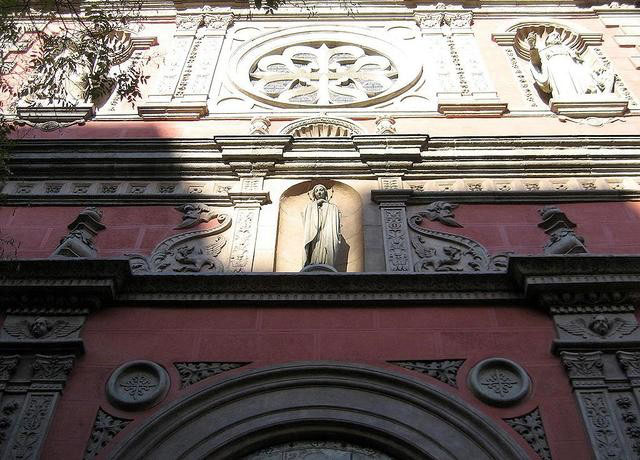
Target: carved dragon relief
446 252
189 252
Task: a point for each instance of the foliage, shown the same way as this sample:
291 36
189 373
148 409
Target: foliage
67 52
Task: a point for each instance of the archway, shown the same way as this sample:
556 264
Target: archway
367 406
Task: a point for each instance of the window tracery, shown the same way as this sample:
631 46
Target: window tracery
324 75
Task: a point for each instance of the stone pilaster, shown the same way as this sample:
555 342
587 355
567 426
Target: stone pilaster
183 90
395 232
461 78
247 205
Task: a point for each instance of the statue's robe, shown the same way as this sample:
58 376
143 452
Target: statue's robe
562 74
321 233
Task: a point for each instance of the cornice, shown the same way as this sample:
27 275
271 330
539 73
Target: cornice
26 284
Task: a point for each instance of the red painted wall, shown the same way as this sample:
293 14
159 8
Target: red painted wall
278 335
608 228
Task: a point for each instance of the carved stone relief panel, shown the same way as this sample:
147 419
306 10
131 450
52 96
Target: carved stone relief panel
321 66
437 251
195 251
290 251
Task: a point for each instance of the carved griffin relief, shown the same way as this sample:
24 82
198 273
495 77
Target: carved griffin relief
446 252
195 251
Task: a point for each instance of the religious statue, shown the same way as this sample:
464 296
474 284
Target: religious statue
560 71
321 229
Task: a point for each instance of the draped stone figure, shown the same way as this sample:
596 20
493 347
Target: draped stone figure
321 229
561 72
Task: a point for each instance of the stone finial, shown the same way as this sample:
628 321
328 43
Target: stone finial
259 126
385 124
79 241
562 237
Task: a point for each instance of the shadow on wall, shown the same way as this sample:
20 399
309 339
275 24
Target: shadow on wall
290 244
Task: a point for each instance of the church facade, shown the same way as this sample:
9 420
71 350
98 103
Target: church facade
347 230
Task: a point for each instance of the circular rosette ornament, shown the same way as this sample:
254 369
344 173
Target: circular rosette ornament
137 385
499 382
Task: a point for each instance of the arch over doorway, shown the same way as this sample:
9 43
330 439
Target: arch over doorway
403 417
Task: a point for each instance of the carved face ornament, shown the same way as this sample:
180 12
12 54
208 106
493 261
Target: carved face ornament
39 327
600 325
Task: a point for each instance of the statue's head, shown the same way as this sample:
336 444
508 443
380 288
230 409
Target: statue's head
553 39
320 192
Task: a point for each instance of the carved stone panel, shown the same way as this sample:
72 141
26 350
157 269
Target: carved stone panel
244 239
195 251
436 251
137 385
530 427
499 382
41 328
194 372
396 238
444 370
599 330
105 427
31 428
598 417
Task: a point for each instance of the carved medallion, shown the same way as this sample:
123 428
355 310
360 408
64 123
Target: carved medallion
137 385
499 382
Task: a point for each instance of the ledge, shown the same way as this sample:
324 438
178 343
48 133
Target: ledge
29 285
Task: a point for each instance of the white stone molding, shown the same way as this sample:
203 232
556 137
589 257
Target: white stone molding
627 21
463 84
340 67
183 90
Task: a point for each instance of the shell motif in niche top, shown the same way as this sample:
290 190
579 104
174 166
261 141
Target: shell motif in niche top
322 66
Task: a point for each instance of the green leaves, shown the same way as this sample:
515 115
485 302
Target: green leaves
75 56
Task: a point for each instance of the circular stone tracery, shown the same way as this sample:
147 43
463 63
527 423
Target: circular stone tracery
322 67
323 75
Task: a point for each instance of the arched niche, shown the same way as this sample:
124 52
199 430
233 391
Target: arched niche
578 41
289 247
399 416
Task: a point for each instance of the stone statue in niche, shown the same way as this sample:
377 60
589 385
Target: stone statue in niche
321 229
560 71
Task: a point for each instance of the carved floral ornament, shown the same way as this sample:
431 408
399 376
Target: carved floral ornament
322 67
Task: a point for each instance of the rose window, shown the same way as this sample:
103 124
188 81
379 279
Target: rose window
327 66
323 75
